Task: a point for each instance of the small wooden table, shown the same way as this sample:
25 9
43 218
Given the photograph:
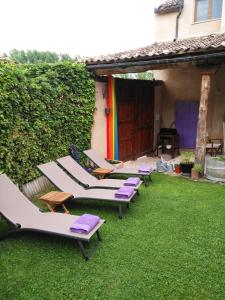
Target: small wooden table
54 198
101 173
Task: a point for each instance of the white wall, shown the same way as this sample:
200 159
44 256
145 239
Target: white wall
165 24
98 138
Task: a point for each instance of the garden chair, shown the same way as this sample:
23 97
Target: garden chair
86 179
23 215
96 158
66 184
214 146
75 156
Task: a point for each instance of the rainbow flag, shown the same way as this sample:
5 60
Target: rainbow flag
112 124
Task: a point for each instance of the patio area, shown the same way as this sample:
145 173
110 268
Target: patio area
169 246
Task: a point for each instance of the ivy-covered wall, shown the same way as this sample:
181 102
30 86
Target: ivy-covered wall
43 109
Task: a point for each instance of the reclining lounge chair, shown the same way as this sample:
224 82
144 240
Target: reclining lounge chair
22 215
86 179
66 184
97 159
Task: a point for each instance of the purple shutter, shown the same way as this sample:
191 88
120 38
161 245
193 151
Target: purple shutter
186 122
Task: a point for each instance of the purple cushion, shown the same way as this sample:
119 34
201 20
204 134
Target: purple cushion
132 181
85 223
124 192
145 169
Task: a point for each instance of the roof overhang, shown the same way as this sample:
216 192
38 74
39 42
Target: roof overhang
158 63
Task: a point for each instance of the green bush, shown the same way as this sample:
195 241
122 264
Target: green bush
43 109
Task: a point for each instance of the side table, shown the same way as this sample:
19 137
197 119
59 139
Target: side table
54 198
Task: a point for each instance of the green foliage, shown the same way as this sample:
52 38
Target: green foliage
220 158
36 57
140 76
187 157
43 109
198 168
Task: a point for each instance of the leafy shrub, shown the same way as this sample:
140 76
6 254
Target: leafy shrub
198 168
220 158
187 157
43 109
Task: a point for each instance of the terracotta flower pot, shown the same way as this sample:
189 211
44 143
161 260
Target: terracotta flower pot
194 175
177 169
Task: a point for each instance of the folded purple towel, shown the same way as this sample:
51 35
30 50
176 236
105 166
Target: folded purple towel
124 192
145 169
132 181
84 224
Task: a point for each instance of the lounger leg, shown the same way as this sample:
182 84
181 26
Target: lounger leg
99 236
81 246
128 205
84 253
147 181
120 211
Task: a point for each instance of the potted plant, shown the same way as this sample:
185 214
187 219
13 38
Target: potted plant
177 168
186 163
196 171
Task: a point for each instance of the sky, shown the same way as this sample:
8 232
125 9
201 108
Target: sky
76 27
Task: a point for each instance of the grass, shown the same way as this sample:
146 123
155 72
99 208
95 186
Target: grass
170 245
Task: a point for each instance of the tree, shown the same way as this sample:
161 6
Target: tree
140 76
35 56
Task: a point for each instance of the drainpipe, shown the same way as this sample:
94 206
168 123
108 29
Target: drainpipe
177 24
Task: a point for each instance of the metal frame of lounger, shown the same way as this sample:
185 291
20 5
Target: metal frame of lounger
87 180
23 215
98 160
65 183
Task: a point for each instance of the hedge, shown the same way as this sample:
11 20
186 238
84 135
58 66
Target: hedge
43 109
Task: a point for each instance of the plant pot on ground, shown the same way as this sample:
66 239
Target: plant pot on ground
177 168
196 171
187 163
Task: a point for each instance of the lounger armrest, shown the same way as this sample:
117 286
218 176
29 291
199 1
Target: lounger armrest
114 161
118 163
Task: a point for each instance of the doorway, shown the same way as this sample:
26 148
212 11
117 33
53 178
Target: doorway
186 122
135 108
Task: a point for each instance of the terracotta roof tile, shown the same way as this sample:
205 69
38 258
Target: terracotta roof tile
179 47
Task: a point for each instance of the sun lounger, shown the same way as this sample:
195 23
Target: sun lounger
66 184
23 215
86 179
96 158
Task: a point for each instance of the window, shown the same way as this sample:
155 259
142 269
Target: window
208 10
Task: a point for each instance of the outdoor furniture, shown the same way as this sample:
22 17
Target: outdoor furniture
101 173
23 215
66 184
102 163
86 179
168 140
54 198
214 146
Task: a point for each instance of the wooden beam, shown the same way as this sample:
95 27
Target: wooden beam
201 138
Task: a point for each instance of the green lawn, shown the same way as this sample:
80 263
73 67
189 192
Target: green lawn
170 245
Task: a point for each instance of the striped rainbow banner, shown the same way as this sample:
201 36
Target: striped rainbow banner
112 127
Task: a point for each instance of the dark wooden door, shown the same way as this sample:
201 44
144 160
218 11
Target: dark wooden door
135 106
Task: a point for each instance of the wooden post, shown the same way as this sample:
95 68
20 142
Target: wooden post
201 138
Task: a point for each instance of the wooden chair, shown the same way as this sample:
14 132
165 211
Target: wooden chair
214 146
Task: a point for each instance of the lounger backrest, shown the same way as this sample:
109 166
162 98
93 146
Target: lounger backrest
13 204
80 174
59 178
98 159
